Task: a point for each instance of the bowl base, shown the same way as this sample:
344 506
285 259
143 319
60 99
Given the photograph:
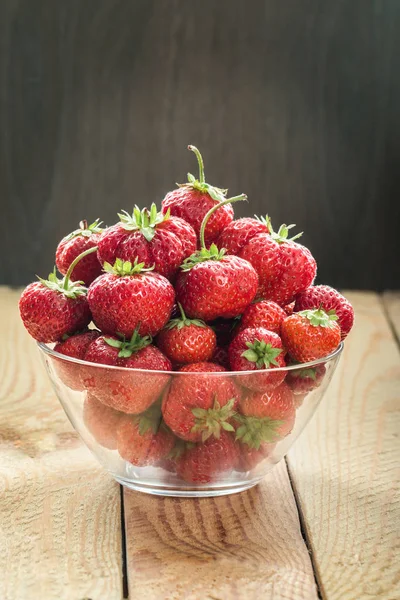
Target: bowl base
188 492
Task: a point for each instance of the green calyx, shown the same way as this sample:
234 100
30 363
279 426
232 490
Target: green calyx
85 230
180 448
143 220
129 347
262 353
70 289
203 255
306 373
200 184
211 421
253 431
183 321
124 268
319 317
282 234
150 420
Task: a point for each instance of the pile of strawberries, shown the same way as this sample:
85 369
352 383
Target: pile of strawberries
192 290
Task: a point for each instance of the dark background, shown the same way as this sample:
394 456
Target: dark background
296 102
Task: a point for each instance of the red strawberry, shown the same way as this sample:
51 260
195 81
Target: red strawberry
264 313
238 233
87 236
266 416
128 391
192 200
256 349
187 341
310 334
148 236
213 285
289 308
102 422
323 296
74 346
203 462
249 457
143 440
221 357
52 308
302 381
198 404
128 296
284 267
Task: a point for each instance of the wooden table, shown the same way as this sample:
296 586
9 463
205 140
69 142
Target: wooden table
325 523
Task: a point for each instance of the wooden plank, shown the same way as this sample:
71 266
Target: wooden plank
245 546
391 302
345 466
60 524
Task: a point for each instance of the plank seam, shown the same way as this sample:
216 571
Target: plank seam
125 586
389 319
304 535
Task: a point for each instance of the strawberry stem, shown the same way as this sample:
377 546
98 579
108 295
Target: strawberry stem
213 209
200 161
74 263
83 224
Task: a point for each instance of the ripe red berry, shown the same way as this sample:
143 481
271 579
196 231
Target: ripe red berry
84 238
192 200
131 389
284 267
323 296
221 357
257 349
303 381
128 296
75 346
238 233
52 308
149 237
264 313
186 340
102 422
204 462
249 457
199 403
310 334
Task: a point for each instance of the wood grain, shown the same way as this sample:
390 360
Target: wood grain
345 467
60 524
241 547
391 303
295 103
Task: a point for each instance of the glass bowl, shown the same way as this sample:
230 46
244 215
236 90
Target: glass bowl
225 452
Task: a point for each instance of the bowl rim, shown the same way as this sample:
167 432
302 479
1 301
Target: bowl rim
51 352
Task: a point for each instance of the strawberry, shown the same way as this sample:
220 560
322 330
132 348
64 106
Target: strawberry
221 357
74 346
198 404
101 421
256 349
264 313
131 391
203 462
87 236
192 200
52 308
144 440
238 233
289 308
129 295
323 296
284 267
151 237
187 341
310 334
266 417
302 381
249 457
213 285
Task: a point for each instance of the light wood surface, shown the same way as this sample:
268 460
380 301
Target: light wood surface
345 467
245 546
60 521
391 302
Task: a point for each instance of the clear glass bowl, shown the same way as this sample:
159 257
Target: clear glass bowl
142 453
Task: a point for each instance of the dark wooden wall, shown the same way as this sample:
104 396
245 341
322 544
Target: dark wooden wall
296 102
